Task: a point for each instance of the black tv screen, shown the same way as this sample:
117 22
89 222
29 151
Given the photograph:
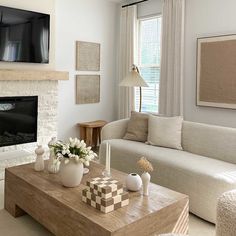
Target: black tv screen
24 36
18 120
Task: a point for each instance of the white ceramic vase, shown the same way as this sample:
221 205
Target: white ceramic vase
53 167
146 180
71 173
133 182
39 163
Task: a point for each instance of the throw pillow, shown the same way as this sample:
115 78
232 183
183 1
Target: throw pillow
165 131
137 129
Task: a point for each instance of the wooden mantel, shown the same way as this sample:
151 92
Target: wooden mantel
33 75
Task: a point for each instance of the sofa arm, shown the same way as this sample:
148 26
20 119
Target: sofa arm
114 130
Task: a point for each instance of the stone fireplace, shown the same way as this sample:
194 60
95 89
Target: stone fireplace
47 107
32 83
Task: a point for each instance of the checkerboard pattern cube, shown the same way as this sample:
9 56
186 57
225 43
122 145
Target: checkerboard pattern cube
105 187
105 194
105 205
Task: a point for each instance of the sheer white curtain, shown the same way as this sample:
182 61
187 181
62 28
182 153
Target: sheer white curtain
127 50
171 78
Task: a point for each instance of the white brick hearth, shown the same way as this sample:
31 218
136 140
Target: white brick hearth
47 92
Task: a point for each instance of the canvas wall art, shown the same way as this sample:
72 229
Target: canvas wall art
87 56
87 89
216 71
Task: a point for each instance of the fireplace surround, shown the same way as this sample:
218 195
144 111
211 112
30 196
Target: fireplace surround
44 85
47 93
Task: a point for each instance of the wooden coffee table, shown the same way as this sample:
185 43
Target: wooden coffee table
62 211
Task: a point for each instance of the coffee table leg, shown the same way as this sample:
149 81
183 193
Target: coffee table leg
182 224
14 210
9 203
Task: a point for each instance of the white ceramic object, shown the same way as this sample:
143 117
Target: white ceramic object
86 171
133 182
53 167
39 163
71 173
146 180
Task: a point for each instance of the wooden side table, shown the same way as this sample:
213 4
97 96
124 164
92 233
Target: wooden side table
90 132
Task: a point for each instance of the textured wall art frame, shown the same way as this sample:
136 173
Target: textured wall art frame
216 71
87 89
87 56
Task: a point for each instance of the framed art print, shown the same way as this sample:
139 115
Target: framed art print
87 56
216 71
87 89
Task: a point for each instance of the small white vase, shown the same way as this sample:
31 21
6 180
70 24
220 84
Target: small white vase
53 167
71 173
146 180
39 163
133 182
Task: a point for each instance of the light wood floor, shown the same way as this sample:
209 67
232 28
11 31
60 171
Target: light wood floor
25 225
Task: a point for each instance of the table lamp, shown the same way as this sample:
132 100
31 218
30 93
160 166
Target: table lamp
133 79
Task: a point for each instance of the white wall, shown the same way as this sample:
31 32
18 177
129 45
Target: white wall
205 18
88 20
93 21
44 6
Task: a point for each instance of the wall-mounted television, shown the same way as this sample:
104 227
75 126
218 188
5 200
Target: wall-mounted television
24 36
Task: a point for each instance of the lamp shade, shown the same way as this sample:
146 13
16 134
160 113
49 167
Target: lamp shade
133 79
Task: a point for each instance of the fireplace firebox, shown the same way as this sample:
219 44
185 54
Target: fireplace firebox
18 120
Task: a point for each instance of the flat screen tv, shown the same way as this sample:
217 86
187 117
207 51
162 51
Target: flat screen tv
18 120
24 36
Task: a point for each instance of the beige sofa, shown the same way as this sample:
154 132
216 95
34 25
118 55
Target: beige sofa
203 170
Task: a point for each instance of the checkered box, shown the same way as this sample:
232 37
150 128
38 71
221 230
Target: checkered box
104 187
105 205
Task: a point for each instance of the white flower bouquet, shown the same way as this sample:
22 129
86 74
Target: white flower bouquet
75 150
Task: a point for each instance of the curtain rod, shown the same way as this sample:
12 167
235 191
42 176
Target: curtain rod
134 3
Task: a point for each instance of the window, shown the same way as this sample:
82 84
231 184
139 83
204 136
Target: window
149 63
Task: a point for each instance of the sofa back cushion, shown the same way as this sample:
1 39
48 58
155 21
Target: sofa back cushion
165 131
209 140
137 129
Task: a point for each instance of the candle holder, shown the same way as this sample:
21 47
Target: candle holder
106 173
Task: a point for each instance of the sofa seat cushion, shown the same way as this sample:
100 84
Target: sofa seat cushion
203 179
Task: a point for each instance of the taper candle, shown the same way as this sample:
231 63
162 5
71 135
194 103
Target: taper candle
109 159
107 171
107 163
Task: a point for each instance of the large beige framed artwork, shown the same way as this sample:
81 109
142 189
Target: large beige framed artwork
216 71
87 89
